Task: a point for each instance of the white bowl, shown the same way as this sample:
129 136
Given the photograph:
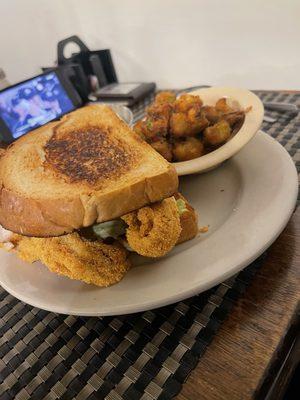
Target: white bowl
250 127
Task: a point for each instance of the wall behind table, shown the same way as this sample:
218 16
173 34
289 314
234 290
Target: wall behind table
175 43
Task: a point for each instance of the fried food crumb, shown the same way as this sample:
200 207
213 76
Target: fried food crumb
204 229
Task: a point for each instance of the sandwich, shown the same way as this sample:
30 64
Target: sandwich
81 193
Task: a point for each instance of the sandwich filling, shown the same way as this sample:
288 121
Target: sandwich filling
100 254
117 227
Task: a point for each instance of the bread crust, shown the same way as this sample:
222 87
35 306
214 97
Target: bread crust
45 216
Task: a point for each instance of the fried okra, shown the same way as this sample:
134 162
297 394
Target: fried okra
187 118
211 114
187 101
234 118
164 148
157 120
182 128
217 134
165 97
188 149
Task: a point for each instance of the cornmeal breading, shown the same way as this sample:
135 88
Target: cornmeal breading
78 258
154 230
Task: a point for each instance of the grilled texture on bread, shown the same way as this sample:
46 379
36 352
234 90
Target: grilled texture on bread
88 167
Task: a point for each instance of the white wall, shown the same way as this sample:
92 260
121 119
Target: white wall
176 43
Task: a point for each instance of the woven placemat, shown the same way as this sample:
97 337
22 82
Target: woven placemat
140 356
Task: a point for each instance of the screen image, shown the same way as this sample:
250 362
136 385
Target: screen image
33 103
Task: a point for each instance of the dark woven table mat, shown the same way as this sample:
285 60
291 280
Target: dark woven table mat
140 356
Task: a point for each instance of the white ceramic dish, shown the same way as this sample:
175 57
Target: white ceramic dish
251 125
247 202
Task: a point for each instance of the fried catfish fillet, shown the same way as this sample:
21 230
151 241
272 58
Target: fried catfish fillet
77 258
154 230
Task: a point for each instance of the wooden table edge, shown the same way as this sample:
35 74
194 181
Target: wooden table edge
259 330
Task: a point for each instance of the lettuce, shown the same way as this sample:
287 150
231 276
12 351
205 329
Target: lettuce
181 206
117 227
114 229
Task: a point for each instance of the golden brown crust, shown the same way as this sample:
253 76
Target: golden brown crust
154 230
54 205
77 258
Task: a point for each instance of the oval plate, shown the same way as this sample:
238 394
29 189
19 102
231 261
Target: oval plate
246 203
251 125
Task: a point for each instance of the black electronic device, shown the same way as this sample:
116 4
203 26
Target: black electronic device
74 73
32 103
125 93
99 64
96 63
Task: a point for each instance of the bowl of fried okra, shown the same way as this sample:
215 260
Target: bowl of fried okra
199 130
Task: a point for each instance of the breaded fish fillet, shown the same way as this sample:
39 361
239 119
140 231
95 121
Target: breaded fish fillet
78 258
154 230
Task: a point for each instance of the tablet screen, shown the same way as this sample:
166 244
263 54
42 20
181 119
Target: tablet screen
33 103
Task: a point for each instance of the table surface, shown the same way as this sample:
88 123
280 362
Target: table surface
250 346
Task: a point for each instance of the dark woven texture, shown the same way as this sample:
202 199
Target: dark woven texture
141 356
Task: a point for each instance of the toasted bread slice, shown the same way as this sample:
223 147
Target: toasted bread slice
89 167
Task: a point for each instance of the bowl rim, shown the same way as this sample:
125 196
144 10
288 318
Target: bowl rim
251 125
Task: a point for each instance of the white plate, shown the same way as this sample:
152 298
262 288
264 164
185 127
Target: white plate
253 119
247 202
